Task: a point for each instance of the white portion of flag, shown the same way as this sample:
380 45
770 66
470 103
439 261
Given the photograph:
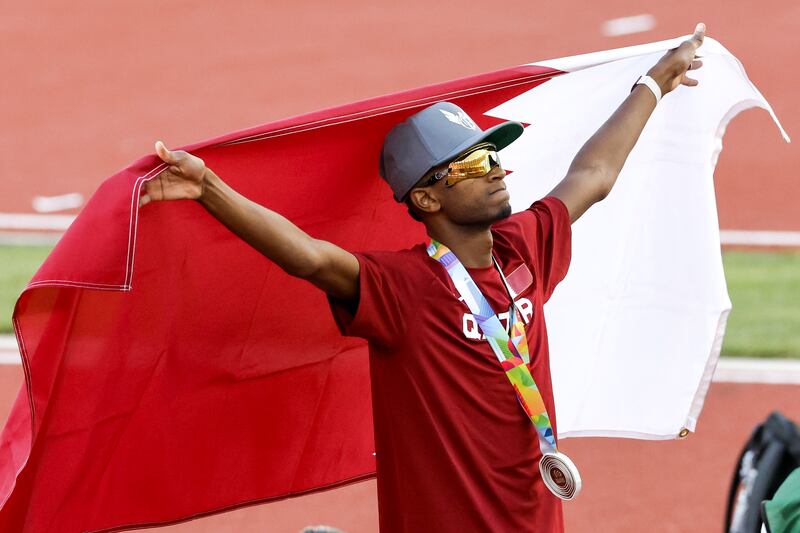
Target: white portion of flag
636 327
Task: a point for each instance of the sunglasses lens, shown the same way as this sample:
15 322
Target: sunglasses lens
474 165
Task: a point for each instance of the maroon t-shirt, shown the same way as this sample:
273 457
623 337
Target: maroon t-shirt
454 450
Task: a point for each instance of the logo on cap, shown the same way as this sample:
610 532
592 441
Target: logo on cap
460 118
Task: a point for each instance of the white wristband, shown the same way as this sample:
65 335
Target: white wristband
651 84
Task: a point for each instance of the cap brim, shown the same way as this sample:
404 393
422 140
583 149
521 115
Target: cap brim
501 136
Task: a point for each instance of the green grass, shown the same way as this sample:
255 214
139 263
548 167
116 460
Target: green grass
764 288
765 291
17 266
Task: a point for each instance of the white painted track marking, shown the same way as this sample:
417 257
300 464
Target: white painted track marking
628 25
12 226
760 238
62 202
746 370
9 353
29 238
29 222
9 358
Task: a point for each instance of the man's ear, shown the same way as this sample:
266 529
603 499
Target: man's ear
424 200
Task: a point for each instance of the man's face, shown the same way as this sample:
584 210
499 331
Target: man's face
474 201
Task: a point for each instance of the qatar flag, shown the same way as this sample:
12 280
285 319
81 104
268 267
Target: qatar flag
171 371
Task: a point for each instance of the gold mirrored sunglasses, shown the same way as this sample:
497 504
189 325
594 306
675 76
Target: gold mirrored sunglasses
476 163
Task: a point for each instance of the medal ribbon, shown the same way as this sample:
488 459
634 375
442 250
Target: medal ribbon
510 350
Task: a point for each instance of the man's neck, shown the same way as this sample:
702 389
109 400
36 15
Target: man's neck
472 246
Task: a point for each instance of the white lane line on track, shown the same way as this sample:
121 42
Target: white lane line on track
9 358
62 202
29 238
43 222
628 25
747 370
9 353
30 222
760 238
729 369
8 342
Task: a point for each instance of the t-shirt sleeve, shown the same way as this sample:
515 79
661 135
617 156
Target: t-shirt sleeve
377 316
544 231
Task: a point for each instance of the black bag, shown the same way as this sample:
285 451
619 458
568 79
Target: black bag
767 459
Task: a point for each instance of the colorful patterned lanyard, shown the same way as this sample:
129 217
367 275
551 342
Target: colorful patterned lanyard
511 351
559 473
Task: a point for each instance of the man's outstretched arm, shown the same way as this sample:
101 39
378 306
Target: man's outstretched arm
324 264
595 168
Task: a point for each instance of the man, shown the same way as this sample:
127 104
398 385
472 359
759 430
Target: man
454 450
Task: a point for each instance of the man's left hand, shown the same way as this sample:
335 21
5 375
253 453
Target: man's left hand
670 71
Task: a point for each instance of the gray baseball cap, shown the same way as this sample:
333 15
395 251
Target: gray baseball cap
432 137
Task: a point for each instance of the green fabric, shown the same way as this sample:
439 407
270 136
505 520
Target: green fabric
783 510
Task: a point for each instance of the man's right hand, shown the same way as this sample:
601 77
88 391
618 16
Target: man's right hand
332 269
183 179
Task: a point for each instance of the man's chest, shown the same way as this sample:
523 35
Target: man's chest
510 300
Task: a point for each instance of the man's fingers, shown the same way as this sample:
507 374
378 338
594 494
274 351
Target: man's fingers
699 34
144 194
696 64
689 82
165 155
691 44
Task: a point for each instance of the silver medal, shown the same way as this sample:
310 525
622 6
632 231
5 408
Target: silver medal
560 475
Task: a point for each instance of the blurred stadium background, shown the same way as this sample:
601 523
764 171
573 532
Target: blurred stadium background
90 86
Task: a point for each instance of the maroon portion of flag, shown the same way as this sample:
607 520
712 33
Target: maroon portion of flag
171 371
